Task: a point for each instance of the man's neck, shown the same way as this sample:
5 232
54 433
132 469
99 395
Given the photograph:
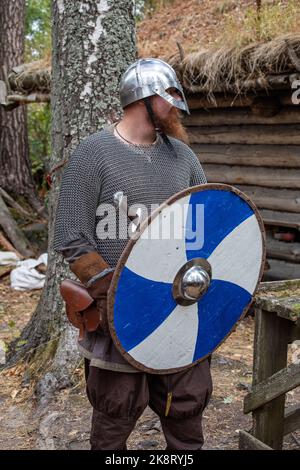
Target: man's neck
136 130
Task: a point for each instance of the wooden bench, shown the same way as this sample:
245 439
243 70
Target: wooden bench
277 324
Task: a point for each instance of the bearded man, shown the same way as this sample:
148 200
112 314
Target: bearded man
145 156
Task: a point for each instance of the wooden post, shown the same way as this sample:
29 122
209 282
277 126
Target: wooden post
270 356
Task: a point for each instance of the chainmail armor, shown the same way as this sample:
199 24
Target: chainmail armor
100 166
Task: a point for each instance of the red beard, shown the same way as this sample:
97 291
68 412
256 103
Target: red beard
172 125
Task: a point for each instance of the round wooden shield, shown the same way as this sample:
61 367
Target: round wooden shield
214 223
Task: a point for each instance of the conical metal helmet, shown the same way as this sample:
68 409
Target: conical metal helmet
148 77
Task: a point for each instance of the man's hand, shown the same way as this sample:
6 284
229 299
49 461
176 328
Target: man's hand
98 290
95 273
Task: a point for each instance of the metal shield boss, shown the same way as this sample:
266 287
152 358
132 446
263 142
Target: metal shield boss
186 278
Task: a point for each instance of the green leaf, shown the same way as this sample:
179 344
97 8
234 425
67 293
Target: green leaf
227 400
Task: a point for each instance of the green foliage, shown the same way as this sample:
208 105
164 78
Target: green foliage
37 29
149 7
39 122
38 46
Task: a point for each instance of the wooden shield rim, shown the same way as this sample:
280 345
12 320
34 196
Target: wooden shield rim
126 252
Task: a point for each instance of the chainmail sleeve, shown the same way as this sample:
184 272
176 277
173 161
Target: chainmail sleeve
197 172
74 230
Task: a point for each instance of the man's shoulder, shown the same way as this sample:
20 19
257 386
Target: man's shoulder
182 147
95 139
92 146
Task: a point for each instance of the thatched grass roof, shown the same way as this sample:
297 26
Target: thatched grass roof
258 65
32 77
267 65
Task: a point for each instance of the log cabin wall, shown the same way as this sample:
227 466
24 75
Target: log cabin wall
253 143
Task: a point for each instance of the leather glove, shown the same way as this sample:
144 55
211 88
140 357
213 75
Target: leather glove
87 267
98 290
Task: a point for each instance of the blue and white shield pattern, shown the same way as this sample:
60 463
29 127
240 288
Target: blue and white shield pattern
214 222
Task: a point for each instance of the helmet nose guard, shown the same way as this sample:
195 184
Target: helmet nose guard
148 77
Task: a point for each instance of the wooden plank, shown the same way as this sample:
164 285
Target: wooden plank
284 200
294 333
199 100
277 286
278 384
281 298
249 442
280 270
270 356
282 250
280 219
249 155
240 116
291 419
3 93
266 177
284 134
258 84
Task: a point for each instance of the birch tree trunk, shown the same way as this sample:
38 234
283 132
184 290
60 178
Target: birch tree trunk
93 43
15 174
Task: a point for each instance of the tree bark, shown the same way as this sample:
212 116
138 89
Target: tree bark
93 43
15 175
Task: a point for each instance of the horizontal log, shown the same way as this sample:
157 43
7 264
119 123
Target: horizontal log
280 297
222 100
292 419
27 99
261 83
12 230
268 198
240 116
294 333
280 219
280 270
280 178
249 155
279 383
277 286
3 93
249 442
284 134
282 250
277 205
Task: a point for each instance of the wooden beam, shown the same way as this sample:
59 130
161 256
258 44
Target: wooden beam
3 93
280 298
222 100
8 246
281 134
292 419
267 177
27 99
280 269
14 233
249 442
278 384
294 333
240 116
272 82
280 219
277 205
281 250
249 155
270 356
284 200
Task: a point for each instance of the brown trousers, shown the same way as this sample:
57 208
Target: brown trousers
118 400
